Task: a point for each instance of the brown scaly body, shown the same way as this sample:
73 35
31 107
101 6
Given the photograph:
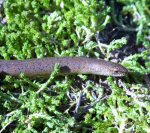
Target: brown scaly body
68 65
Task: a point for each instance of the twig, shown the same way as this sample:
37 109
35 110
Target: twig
78 103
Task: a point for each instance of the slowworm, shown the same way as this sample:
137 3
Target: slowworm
68 65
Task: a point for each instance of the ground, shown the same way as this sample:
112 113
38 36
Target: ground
117 31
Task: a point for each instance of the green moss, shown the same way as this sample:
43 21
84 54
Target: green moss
37 29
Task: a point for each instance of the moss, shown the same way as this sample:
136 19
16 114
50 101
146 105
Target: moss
76 103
